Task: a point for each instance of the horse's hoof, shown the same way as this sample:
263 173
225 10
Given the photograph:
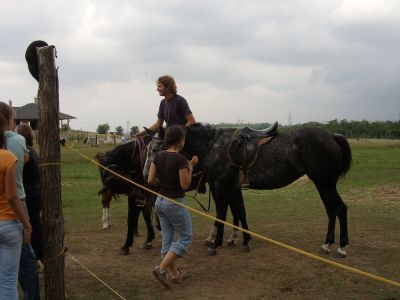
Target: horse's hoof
147 246
208 243
245 248
325 249
231 243
340 253
105 227
211 252
123 251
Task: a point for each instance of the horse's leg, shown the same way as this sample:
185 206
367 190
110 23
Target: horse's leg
239 214
211 237
341 213
133 216
232 241
334 206
106 199
221 204
213 232
147 211
242 217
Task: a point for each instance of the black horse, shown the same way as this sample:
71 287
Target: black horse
127 160
319 154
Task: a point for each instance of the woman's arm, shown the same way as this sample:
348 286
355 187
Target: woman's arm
152 179
185 174
15 202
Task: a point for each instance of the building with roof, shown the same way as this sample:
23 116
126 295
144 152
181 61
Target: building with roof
28 114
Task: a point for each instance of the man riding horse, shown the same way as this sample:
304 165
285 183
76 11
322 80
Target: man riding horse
174 110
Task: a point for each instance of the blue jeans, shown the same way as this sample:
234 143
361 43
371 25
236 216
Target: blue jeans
28 276
175 221
10 252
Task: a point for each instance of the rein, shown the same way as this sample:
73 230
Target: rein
142 150
196 193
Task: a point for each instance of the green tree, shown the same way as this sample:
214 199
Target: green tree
134 129
119 130
103 128
65 127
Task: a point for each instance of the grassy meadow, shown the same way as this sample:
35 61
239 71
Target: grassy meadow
294 215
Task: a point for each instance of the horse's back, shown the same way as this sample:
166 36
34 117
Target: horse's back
291 154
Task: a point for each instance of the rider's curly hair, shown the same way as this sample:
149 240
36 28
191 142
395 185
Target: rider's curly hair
169 83
174 135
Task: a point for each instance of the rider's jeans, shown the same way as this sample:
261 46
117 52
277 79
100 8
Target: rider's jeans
176 226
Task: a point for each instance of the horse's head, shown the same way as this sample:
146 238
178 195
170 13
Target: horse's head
155 146
199 140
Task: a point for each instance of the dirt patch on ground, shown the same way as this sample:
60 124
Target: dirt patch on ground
266 272
386 194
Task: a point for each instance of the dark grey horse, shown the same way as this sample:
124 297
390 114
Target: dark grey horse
319 154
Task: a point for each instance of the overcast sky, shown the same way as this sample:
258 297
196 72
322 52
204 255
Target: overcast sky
248 61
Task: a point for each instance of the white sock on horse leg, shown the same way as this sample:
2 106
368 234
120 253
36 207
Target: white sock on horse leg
234 235
213 234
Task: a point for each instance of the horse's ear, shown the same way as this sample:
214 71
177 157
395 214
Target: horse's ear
149 132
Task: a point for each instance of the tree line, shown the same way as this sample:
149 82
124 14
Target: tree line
119 130
350 129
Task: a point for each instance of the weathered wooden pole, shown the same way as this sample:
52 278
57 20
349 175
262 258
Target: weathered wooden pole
52 215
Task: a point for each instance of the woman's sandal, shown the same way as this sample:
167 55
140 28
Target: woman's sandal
161 277
178 278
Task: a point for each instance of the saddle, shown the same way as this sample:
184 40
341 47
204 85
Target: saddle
244 147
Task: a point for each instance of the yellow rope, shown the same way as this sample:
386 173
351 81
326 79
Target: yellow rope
299 251
64 249
50 164
97 277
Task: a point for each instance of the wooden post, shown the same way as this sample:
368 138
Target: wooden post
49 136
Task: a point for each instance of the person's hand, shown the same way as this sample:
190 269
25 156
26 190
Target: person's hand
193 162
27 235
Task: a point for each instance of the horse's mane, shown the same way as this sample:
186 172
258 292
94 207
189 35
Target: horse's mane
202 131
119 154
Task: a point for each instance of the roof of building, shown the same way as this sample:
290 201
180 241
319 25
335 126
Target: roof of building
30 112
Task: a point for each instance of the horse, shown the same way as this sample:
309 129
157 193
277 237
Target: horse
321 155
128 161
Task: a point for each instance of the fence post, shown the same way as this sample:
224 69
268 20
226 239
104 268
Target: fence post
52 215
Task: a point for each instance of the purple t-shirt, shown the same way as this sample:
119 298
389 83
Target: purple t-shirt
174 111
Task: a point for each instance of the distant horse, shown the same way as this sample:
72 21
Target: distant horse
319 154
128 161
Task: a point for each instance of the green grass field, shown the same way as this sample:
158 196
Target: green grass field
294 215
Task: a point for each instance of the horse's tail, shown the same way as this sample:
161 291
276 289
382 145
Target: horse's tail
346 151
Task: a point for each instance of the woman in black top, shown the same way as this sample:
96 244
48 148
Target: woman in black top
32 187
172 173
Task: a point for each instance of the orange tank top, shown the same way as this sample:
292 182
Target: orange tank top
7 161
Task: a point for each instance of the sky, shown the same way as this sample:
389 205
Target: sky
290 61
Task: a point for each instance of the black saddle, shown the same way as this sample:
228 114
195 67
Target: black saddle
251 134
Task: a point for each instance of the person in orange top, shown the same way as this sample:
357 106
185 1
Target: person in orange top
15 228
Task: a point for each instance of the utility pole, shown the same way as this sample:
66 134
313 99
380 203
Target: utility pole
49 145
128 129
